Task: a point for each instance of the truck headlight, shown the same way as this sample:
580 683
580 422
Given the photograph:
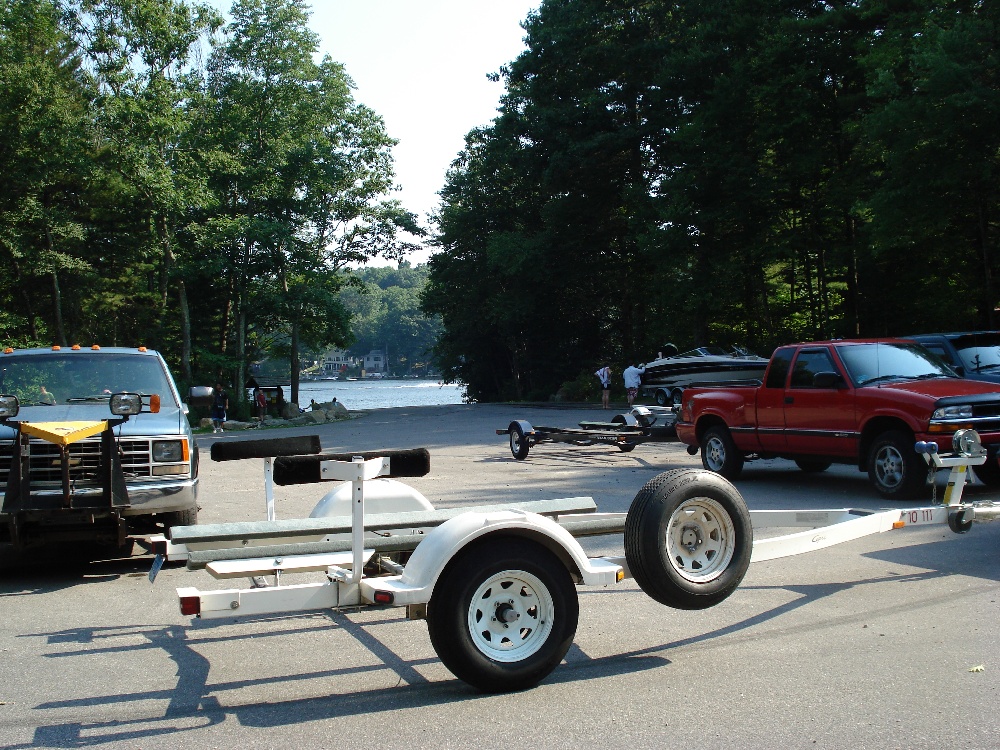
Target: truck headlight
9 407
169 451
953 412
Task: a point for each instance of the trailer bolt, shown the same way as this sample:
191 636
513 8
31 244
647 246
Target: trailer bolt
234 604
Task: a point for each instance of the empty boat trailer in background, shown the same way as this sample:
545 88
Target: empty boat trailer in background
496 584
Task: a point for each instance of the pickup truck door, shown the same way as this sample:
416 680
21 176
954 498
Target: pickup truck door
819 421
771 401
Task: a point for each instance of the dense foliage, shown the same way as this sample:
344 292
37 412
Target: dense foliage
721 172
176 181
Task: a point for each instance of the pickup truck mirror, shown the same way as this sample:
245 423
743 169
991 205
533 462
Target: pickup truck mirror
827 380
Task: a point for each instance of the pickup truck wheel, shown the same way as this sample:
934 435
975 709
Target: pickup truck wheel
688 538
503 614
989 472
187 517
518 441
895 468
719 453
812 467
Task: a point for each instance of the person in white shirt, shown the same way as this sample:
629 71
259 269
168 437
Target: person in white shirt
633 378
604 375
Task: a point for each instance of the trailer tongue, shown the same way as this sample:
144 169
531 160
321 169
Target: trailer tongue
497 584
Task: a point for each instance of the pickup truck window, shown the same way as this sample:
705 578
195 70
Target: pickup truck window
808 363
869 364
777 374
79 377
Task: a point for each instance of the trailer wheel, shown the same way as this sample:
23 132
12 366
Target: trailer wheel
503 614
518 441
719 452
895 468
626 447
661 397
688 538
676 397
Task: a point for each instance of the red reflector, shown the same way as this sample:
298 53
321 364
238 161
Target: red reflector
191 605
383 597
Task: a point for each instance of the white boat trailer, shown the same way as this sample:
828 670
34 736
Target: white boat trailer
496 584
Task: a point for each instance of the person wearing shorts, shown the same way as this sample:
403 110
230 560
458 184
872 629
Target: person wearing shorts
633 379
604 375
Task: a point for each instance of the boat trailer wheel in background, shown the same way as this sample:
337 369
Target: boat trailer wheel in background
503 614
518 431
688 538
661 397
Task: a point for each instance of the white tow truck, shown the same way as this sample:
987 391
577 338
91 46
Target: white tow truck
497 584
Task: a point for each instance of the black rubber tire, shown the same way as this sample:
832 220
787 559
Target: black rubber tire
719 452
518 442
676 396
626 447
187 517
895 469
662 398
458 597
688 538
812 467
989 472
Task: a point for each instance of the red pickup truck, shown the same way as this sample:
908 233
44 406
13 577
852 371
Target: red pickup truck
863 402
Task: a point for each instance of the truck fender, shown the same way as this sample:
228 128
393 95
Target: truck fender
444 542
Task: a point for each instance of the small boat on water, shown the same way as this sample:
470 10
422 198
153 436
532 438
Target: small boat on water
667 377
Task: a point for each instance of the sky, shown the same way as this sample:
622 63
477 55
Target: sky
422 66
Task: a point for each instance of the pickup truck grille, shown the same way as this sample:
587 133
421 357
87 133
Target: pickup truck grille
985 411
85 461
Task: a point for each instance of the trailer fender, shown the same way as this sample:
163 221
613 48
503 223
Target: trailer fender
444 542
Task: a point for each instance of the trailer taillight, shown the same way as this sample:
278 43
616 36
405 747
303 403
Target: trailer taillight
191 606
383 597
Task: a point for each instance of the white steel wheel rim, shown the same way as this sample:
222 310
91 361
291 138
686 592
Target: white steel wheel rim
889 466
701 539
715 453
510 616
515 441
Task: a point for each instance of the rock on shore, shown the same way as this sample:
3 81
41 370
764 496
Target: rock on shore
329 411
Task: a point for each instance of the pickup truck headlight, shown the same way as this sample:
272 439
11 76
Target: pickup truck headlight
171 451
953 412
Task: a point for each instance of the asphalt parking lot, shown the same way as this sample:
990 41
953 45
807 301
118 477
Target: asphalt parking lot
888 641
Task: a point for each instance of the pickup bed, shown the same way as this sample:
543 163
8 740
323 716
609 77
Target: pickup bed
862 402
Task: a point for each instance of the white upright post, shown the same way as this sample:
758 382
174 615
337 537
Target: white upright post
269 488
358 519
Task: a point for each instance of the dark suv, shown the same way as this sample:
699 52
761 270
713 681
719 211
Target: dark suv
974 355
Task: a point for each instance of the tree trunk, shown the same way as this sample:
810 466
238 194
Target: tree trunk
186 373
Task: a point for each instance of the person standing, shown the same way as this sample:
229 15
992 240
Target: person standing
633 378
260 401
604 375
220 404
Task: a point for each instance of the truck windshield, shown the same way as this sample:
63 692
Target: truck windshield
868 364
79 377
979 352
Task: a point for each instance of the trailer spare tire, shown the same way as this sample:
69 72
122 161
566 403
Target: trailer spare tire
688 538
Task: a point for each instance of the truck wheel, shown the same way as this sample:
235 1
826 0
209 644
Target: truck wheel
989 472
895 468
503 614
187 517
719 452
812 467
688 538
661 397
518 441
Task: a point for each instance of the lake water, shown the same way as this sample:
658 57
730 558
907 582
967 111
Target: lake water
378 394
